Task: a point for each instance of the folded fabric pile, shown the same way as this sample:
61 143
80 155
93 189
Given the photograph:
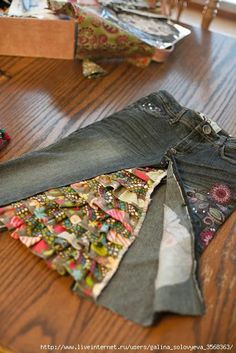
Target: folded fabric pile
121 30
127 205
135 31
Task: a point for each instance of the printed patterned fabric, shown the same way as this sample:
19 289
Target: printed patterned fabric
4 138
119 31
84 229
210 208
100 38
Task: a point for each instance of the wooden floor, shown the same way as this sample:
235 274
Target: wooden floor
46 100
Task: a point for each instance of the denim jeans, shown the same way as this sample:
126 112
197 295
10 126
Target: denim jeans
158 273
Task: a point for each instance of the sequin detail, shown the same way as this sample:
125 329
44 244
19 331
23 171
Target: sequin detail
85 228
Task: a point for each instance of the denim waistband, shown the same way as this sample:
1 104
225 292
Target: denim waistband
178 114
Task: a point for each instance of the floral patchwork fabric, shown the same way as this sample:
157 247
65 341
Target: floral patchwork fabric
210 208
85 228
97 38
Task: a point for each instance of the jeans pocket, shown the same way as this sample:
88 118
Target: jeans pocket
228 151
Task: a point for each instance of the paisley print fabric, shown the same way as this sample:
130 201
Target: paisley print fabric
210 208
85 228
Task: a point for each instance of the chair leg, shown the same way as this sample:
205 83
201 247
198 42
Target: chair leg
209 12
180 6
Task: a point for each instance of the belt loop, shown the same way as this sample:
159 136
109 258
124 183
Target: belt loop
178 116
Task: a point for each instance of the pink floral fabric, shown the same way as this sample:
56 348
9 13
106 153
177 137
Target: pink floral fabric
210 208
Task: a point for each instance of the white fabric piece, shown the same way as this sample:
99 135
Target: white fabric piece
175 252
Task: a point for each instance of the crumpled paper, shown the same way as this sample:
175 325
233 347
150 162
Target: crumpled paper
92 70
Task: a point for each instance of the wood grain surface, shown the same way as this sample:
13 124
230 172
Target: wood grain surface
35 37
45 100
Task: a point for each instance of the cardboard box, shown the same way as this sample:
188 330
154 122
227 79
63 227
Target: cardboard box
46 38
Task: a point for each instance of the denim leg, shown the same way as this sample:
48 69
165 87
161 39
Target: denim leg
131 291
133 137
176 287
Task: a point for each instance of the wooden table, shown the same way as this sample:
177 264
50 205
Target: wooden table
46 100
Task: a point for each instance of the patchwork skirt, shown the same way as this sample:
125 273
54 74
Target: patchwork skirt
125 206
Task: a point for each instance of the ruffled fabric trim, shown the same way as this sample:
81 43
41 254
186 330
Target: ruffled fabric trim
85 229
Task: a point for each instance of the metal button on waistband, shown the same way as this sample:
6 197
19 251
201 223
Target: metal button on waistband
173 150
206 129
170 152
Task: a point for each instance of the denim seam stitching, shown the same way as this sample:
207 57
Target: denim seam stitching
223 156
168 108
